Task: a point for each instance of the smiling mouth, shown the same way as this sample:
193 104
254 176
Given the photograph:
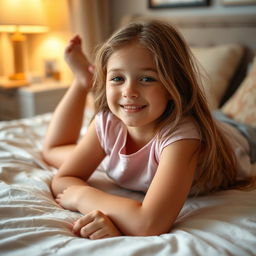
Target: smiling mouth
133 108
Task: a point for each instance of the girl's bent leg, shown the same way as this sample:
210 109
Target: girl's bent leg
64 129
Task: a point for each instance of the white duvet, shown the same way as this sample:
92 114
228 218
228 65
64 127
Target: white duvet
31 223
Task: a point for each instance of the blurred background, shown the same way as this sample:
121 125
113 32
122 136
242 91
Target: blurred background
94 20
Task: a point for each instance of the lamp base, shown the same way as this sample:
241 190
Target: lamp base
18 76
18 40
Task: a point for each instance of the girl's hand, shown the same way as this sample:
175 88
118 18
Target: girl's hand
68 197
95 225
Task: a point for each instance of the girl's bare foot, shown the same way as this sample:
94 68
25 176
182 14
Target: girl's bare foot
78 63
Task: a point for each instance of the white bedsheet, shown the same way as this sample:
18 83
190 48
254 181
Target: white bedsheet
31 223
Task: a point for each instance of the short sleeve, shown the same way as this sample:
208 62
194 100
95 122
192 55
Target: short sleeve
187 129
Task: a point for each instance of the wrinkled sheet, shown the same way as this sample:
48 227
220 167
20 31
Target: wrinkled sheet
31 223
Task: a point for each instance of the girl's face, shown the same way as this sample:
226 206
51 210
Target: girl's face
134 92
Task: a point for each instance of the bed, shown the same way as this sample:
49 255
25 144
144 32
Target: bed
220 223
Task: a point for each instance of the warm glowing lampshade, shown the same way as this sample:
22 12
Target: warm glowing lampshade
18 17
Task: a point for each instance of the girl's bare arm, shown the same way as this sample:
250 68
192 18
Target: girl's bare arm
80 164
161 205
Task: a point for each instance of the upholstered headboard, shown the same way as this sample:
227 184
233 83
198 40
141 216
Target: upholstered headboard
222 29
206 30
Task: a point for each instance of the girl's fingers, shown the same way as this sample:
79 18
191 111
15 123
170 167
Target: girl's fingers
99 234
83 221
95 225
89 229
89 224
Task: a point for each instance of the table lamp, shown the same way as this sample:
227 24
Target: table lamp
20 17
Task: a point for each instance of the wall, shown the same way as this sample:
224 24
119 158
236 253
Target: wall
50 46
120 8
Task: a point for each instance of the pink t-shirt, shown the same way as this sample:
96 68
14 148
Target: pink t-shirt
135 171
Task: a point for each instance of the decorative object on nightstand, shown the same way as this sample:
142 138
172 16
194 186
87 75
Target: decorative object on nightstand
51 69
19 17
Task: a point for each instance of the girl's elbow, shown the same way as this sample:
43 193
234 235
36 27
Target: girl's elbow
151 228
152 231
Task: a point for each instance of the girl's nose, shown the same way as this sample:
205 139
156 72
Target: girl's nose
130 90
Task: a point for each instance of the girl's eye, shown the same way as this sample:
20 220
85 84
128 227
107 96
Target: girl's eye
148 79
117 79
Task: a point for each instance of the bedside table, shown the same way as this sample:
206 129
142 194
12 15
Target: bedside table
28 101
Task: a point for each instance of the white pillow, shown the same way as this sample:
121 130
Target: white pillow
217 65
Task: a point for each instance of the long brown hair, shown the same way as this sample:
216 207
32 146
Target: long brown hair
178 73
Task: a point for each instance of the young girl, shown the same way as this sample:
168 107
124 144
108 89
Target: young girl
153 125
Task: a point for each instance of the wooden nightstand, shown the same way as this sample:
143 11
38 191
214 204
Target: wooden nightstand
28 101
